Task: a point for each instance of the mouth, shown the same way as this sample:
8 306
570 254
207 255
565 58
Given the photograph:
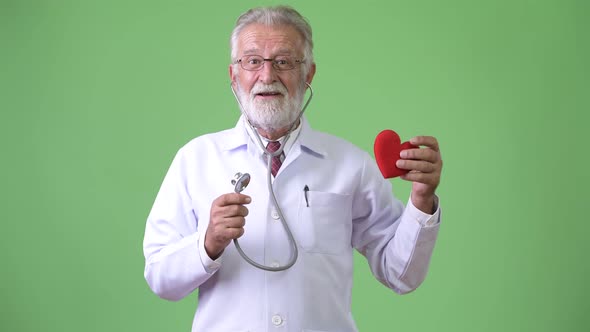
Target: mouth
269 94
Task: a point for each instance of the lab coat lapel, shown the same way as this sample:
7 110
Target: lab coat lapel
307 141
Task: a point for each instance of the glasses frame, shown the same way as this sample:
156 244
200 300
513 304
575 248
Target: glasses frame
275 66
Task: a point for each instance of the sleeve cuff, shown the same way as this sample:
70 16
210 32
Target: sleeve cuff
211 266
424 219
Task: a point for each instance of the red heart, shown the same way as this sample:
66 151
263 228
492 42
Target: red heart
387 148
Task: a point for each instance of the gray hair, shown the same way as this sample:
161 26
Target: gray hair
273 16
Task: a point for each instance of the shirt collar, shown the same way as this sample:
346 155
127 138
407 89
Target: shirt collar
286 144
303 135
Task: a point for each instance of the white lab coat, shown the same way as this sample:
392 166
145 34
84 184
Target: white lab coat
350 206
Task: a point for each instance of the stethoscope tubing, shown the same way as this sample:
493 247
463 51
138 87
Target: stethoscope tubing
270 155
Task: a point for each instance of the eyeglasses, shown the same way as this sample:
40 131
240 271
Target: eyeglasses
279 63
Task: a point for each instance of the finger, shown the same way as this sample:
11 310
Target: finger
218 213
234 233
426 178
234 222
231 199
428 141
228 234
425 154
416 165
234 211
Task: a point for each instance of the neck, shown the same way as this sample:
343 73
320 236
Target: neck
273 135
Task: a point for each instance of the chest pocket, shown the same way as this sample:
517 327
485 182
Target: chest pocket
325 226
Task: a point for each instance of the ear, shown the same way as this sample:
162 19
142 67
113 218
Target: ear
311 73
232 75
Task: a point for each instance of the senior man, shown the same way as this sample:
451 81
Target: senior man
330 194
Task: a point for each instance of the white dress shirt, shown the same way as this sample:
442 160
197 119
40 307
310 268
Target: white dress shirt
351 206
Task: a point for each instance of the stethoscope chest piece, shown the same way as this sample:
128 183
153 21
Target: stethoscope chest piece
240 181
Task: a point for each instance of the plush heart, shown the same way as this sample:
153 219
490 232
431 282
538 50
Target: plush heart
387 147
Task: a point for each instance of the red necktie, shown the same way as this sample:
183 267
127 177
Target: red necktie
276 161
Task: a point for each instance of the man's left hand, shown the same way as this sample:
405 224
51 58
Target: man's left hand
425 166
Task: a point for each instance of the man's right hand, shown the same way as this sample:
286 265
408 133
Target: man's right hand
226 222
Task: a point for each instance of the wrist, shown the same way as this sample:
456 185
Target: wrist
211 250
425 204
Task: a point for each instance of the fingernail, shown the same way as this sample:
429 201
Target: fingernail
399 163
403 154
248 199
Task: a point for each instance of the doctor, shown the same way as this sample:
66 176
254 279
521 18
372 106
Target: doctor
330 193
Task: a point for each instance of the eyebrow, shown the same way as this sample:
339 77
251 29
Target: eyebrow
256 51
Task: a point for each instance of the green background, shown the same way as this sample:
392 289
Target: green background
97 96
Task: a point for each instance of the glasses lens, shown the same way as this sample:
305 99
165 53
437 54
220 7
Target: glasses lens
280 63
252 62
284 63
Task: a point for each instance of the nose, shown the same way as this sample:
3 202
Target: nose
267 74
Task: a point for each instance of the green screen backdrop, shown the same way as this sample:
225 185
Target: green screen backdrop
96 97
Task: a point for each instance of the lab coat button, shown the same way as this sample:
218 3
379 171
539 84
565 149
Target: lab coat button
277 320
275 215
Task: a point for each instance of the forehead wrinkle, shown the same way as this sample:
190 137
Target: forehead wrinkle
256 51
256 39
252 51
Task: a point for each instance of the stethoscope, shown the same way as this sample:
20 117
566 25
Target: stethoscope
241 181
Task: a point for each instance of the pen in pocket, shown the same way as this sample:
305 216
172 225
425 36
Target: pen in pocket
305 190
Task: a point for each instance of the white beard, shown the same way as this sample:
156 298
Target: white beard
271 115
